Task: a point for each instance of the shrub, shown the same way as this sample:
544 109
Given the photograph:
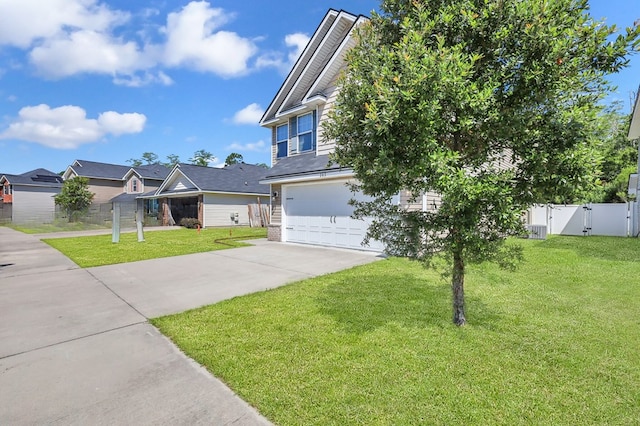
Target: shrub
190 222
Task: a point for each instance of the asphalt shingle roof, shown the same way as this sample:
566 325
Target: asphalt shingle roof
152 171
241 178
37 177
300 165
93 169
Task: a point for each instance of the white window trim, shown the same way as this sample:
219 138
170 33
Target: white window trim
279 141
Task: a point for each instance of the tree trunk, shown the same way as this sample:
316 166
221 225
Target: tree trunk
457 287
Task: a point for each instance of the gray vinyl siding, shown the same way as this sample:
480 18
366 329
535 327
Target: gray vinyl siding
274 147
324 146
33 205
432 202
219 207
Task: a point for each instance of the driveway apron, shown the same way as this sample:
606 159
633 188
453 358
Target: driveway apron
76 347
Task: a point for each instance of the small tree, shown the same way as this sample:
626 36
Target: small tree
147 158
202 158
489 104
172 160
233 158
74 197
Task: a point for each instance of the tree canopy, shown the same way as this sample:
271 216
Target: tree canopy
489 104
147 158
233 158
74 197
619 157
202 158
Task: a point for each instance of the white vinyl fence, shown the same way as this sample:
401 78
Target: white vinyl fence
587 219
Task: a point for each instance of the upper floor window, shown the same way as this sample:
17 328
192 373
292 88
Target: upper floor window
135 185
282 140
306 139
7 190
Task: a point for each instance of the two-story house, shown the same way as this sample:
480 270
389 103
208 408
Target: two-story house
310 197
117 183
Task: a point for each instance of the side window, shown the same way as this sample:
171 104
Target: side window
306 133
282 140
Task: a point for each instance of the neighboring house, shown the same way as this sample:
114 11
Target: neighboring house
310 199
634 182
28 198
116 183
137 181
215 196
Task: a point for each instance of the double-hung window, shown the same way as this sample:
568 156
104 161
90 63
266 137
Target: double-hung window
306 134
282 140
135 185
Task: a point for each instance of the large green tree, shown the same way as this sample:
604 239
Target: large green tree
74 197
489 103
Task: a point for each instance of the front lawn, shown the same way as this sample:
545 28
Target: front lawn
555 343
99 250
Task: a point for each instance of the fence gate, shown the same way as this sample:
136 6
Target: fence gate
587 219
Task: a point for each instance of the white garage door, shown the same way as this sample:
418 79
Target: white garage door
320 214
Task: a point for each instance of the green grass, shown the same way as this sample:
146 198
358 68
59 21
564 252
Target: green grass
99 250
555 343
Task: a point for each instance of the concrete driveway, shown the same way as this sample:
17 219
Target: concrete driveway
76 347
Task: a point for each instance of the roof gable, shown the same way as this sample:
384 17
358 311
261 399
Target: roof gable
96 170
37 177
236 178
301 84
149 171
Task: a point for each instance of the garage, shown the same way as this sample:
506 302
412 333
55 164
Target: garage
319 213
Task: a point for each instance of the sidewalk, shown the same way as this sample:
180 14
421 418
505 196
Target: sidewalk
70 234
76 346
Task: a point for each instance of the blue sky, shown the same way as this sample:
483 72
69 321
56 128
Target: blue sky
109 80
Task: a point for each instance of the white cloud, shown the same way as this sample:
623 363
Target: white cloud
193 42
259 146
139 80
68 127
69 37
296 42
22 22
218 164
251 114
87 52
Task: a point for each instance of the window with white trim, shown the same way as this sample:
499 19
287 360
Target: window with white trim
135 185
8 190
282 140
306 134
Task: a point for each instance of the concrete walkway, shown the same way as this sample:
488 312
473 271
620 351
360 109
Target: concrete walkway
76 347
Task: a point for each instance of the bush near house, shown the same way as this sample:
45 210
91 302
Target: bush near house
190 222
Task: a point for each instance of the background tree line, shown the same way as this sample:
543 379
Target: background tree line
200 158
